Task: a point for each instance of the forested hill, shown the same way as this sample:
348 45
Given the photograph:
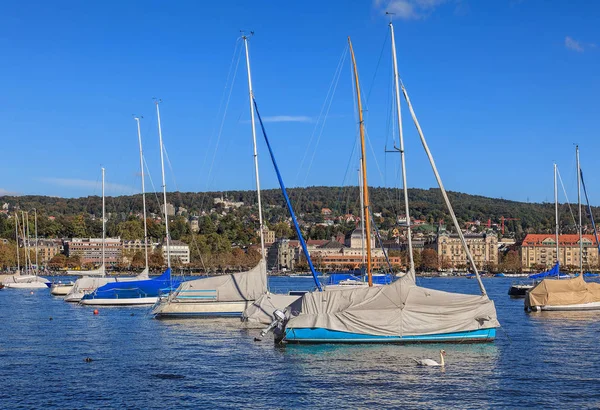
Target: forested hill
308 202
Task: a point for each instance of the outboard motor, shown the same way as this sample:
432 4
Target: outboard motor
276 326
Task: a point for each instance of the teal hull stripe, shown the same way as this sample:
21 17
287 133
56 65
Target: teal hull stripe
319 335
197 290
197 297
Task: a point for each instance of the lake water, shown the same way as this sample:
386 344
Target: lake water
539 360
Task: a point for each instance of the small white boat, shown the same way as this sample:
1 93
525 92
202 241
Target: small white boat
61 289
26 282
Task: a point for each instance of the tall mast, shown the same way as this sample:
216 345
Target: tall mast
26 244
37 267
143 191
579 207
402 158
17 238
251 93
164 185
362 216
556 215
444 194
365 188
103 225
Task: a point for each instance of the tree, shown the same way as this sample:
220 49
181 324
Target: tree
282 230
131 230
8 256
510 262
138 260
58 261
155 230
156 260
73 261
430 260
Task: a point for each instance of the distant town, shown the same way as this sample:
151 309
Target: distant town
225 237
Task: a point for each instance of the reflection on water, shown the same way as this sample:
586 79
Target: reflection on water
539 360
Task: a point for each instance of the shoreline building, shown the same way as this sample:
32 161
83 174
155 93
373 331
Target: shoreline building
326 254
179 250
540 249
451 254
48 248
89 250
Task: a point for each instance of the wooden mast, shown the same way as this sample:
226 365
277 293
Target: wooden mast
366 206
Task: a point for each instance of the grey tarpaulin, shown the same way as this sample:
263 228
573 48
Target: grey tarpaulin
241 286
397 309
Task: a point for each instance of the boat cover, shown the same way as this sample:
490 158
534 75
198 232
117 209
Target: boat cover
101 271
336 278
397 309
135 288
552 292
260 312
241 286
88 284
552 273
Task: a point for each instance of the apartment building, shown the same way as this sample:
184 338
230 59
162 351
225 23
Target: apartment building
540 249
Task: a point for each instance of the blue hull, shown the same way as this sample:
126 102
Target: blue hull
319 335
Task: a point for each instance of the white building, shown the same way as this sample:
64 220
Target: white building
179 251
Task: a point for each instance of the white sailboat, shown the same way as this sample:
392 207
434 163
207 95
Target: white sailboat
573 294
29 280
90 279
224 295
141 290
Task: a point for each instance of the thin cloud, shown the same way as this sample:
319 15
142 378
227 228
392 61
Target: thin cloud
89 185
5 192
409 9
573 44
287 118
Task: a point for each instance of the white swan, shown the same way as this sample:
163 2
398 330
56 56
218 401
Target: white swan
429 362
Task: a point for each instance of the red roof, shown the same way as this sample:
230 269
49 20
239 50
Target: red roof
534 239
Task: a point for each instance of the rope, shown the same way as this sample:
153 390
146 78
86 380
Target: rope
336 78
566 197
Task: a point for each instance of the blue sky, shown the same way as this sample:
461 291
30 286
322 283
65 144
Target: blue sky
501 89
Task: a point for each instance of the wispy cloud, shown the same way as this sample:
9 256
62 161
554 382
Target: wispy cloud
287 118
409 9
574 45
90 185
5 192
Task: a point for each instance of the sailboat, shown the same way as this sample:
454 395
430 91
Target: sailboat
568 294
142 290
520 289
91 279
224 295
29 280
401 312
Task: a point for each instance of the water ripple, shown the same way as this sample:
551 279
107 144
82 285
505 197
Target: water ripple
541 360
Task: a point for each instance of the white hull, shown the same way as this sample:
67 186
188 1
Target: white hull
165 309
61 289
578 307
26 285
120 302
26 282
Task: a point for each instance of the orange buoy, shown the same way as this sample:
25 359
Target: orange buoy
96 311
